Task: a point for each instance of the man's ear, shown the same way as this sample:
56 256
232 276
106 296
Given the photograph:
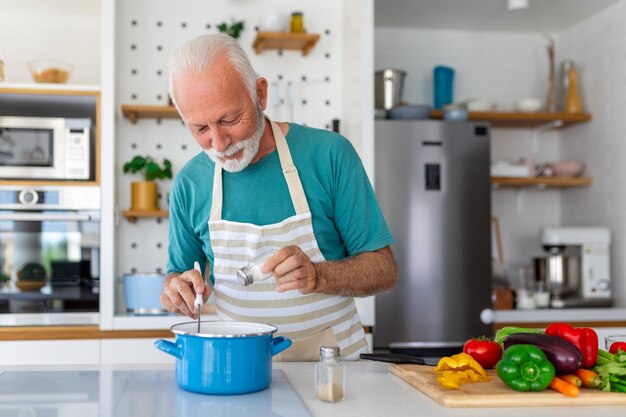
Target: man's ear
261 92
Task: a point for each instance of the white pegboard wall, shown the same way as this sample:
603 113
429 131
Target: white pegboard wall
306 90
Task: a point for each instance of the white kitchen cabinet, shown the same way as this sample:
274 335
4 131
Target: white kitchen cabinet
132 351
50 352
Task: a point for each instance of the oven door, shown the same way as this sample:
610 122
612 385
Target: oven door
32 148
49 267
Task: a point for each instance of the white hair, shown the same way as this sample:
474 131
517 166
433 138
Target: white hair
197 55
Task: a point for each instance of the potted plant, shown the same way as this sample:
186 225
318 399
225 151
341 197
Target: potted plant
233 29
144 194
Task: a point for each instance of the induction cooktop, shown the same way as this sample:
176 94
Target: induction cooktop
127 393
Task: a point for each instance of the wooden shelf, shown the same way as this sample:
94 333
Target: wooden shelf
284 40
135 112
523 120
133 215
540 182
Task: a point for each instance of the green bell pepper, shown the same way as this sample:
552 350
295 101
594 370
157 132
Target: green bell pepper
525 368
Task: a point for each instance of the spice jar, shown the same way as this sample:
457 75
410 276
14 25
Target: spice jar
251 271
329 381
297 22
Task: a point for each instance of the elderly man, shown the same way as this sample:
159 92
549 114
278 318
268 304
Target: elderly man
261 185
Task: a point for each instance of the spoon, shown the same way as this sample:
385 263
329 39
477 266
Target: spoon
198 301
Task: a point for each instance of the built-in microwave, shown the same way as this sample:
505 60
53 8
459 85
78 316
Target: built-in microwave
45 148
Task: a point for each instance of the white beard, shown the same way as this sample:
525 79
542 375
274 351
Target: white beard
249 146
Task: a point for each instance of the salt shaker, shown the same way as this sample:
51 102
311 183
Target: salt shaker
251 271
329 381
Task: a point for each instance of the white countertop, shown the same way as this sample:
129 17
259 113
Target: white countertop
371 390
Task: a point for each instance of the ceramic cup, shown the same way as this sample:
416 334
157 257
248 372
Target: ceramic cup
609 340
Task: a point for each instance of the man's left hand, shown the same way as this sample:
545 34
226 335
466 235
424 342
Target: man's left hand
293 270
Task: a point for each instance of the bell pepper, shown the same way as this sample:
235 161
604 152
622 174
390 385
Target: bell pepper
525 368
458 369
584 338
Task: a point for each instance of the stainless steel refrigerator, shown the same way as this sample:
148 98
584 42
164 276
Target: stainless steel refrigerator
432 182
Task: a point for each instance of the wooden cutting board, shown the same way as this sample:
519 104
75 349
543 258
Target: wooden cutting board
494 393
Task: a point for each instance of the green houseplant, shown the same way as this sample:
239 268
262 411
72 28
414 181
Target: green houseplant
144 194
233 29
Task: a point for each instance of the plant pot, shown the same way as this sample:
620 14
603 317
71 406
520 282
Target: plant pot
144 196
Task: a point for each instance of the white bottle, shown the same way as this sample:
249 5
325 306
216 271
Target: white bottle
329 381
251 271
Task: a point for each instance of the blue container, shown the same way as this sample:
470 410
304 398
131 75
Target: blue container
225 357
142 293
443 86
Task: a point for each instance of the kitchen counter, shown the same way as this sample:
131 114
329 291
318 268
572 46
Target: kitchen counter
600 317
371 390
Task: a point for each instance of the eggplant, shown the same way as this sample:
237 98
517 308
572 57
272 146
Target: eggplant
565 357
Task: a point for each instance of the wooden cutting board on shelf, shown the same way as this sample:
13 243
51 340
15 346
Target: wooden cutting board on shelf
494 393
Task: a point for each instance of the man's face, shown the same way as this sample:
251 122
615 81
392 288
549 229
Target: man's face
218 110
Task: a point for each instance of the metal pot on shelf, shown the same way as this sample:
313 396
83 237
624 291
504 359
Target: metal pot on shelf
389 85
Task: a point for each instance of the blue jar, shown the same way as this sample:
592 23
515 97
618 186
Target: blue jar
443 86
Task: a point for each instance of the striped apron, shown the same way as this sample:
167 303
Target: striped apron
311 320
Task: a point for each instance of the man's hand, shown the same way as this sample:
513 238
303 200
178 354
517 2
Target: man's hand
179 292
293 270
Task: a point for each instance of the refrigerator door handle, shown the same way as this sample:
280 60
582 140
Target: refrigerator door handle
487 316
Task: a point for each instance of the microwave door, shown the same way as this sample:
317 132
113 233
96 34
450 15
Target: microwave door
34 152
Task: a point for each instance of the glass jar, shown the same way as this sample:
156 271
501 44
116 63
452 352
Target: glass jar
329 381
251 271
297 22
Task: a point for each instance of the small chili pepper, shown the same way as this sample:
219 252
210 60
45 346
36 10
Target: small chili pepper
584 338
525 368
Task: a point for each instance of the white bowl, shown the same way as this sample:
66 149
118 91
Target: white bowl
529 105
274 22
480 104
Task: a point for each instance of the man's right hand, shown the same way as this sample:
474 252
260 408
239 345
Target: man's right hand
179 292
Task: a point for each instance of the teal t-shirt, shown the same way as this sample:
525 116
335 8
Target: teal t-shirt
345 215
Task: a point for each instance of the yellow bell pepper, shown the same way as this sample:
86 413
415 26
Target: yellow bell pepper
458 369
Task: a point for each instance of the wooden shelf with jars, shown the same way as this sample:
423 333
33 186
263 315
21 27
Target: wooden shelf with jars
522 120
135 112
133 215
285 40
540 182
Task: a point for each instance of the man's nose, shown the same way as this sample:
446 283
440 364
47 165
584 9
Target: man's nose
220 141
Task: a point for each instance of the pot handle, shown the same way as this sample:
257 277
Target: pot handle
169 347
279 344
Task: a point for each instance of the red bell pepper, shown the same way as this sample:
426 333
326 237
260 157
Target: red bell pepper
584 338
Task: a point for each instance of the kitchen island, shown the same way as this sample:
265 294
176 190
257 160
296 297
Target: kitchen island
371 390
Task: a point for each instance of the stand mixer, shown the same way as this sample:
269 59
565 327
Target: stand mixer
577 267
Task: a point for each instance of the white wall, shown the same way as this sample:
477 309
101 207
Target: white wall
67 30
598 46
504 67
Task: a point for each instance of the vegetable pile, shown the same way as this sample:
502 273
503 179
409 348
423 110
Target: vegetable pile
561 357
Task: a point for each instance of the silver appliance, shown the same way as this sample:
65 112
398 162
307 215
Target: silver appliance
49 255
577 267
388 88
45 148
433 185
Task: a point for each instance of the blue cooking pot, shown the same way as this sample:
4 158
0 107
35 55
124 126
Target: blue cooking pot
225 357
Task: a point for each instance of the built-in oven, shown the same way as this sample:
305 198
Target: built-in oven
49 255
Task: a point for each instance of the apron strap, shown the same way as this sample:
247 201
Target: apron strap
296 191
216 200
